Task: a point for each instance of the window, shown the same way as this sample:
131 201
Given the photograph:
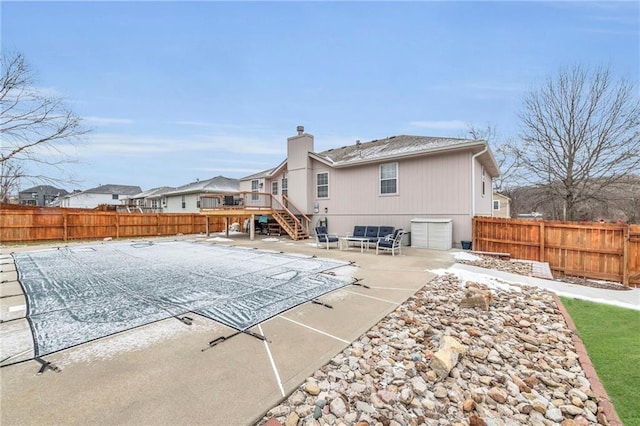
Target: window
34 195
198 201
274 188
483 184
496 204
184 201
389 178
322 182
154 204
285 187
254 188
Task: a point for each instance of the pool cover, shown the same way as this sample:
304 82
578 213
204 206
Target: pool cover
78 294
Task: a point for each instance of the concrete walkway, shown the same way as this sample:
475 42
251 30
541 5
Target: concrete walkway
159 373
624 298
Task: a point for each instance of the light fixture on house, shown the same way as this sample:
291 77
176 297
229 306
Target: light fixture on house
261 185
326 210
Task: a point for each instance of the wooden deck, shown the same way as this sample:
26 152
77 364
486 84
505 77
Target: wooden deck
251 204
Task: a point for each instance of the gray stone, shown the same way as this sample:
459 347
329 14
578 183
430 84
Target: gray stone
554 414
338 407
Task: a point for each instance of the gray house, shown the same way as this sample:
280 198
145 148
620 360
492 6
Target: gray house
103 194
186 198
387 181
149 201
41 195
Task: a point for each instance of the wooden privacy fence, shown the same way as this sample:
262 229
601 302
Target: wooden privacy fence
591 250
58 224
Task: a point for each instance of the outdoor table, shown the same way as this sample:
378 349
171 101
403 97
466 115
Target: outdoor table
363 241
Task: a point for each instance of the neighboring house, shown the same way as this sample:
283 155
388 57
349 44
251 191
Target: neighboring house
104 194
501 205
384 182
150 201
41 195
186 198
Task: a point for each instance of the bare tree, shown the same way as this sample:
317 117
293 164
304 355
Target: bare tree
10 175
35 128
580 133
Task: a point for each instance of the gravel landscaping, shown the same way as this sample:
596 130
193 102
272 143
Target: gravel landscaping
434 362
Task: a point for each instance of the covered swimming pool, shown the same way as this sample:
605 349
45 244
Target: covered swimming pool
79 294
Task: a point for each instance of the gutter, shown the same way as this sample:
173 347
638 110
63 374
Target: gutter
473 178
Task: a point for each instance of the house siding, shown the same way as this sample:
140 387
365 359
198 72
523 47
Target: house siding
505 206
483 202
300 180
174 204
88 201
433 186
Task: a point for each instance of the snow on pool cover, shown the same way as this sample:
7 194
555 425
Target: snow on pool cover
75 295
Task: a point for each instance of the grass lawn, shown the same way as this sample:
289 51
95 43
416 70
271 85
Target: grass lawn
612 338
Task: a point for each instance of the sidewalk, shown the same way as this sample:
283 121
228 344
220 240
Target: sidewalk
629 299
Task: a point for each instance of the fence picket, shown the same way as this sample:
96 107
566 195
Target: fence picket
30 224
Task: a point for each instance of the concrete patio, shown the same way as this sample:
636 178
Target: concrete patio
159 373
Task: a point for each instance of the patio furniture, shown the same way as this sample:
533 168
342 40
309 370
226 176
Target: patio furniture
362 241
391 243
356 237
383 232
366 236
322 237
372 234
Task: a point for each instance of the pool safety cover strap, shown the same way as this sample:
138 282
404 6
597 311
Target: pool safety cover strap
79 294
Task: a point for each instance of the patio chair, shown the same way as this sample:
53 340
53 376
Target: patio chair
391 243
322 237
358 232
385 231
372 234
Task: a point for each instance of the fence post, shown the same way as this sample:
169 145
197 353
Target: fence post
625 256
157 223
542 241
474 229
117 218
65 229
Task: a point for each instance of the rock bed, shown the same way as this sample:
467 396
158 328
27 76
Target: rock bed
524 268
518 366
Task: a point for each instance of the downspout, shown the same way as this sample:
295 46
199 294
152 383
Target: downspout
473 179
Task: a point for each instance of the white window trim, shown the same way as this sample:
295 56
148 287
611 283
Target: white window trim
317 185
274 187
255 197
494 204
380 180
483 182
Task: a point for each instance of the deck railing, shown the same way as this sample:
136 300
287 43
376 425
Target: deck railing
236 201
295 211
256 202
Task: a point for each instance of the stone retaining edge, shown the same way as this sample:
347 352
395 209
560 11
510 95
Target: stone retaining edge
589 370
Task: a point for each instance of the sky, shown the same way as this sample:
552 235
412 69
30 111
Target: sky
173 92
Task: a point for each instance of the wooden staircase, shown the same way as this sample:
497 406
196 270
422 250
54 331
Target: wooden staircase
291 225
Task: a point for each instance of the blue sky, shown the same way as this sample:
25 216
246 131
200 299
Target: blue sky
179 91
